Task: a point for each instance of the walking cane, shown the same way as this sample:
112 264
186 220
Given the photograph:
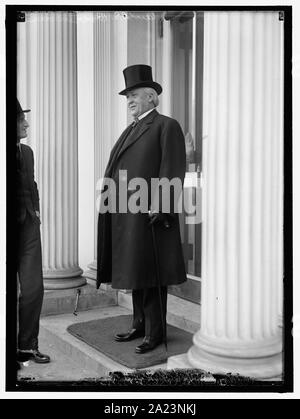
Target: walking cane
167 225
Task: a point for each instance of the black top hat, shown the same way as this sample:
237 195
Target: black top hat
139 75
20 110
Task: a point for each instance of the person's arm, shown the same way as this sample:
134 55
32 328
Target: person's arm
172 169
35 197
36 202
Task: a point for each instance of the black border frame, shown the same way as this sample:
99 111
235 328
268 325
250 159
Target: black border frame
11 65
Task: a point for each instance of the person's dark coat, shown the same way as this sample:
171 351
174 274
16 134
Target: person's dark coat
29 252
27 191
125 253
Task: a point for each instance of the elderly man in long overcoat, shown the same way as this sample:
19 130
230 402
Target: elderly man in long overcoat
153 147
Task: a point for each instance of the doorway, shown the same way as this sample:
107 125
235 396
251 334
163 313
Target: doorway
186 55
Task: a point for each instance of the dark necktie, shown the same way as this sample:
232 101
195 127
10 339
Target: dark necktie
131 132
135 122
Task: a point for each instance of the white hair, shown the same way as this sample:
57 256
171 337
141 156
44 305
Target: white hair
153 93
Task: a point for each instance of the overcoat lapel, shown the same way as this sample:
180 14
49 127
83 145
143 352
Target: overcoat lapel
115 152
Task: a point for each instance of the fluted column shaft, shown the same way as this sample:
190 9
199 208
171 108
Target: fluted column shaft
52 82
242 196
102 27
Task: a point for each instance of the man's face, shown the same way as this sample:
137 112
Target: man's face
22 126
138 102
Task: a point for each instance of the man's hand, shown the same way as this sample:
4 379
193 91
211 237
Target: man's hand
158 218
38 216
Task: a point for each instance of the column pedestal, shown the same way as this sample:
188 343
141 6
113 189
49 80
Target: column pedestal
263 360
63 279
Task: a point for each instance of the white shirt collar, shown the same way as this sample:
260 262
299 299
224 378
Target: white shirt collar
145 114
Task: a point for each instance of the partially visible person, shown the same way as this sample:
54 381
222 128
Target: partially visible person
29 254
189 150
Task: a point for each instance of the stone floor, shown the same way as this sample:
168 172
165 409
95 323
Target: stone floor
71 359
61 367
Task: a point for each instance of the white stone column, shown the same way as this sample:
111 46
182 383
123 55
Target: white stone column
242 197
51 82
280 207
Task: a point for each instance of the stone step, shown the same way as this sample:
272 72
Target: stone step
180 313
93 304
54 328
64 301
61 368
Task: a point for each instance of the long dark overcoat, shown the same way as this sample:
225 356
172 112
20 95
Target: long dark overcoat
27 191
125 252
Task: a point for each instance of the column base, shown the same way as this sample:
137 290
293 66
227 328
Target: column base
91 272
262 368
182 362
63 273
63 283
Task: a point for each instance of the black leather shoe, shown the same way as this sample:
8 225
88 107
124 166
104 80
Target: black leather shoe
147 345
130 335
34 355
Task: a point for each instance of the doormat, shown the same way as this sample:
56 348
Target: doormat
100 335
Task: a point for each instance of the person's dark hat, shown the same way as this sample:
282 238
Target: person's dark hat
20 110
139 75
